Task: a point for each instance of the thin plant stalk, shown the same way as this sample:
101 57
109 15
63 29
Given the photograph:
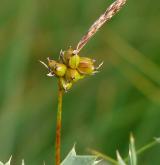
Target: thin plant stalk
146 147
113 161
59 125
106 16
103 156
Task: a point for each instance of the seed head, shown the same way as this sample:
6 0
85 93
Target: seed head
65 85
57 68
72 75
70 59
70 68
74 61
86 66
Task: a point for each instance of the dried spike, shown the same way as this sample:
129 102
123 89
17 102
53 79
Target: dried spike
106 16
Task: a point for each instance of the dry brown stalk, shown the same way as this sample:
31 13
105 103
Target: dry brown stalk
106 16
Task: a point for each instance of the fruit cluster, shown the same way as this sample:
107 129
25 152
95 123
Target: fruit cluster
70 68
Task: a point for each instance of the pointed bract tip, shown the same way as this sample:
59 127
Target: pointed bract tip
50 74
10 159
117 153
95 72
44 64
75 52
61 52
48 58
131 138
97 162
100 65
22 162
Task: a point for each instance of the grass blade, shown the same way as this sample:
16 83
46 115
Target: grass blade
120 160
132 152
103 156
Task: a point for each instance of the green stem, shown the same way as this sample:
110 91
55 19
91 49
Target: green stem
144 148
59 125
113 161
103 156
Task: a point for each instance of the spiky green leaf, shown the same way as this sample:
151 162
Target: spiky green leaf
132 152
74 159
9 162
120 160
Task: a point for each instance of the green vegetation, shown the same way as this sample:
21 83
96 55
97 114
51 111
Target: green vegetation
99 112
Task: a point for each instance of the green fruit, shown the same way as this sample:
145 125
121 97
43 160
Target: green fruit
57 68
72 75
66 56
64 84
74 61
86 66
70 59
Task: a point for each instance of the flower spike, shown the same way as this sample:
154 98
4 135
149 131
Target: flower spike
71 67
105 17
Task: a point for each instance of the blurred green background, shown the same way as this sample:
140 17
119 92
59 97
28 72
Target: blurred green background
98 112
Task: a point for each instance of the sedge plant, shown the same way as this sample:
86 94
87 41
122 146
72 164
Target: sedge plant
68 69
71 67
